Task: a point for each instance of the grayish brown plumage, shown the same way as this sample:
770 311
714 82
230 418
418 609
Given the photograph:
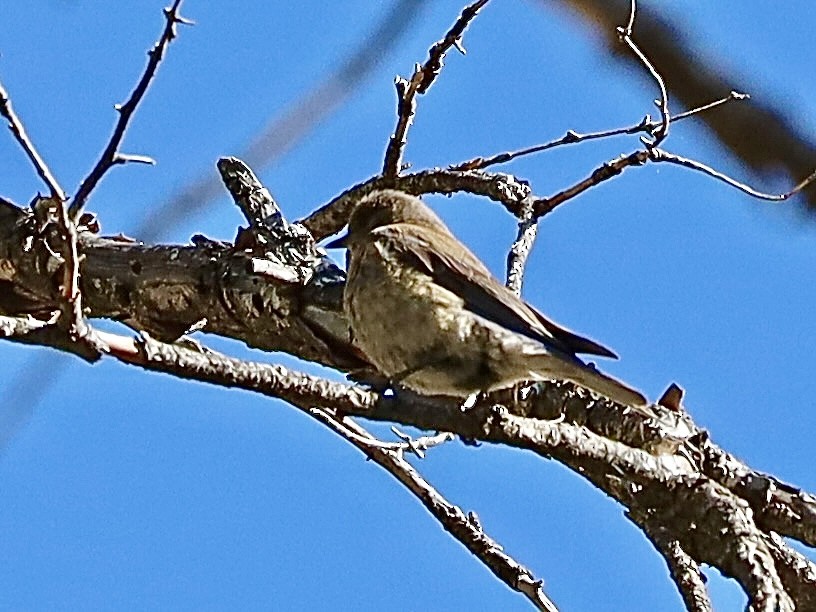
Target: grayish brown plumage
430 316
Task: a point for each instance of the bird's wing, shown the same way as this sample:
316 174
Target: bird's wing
579 344
454 267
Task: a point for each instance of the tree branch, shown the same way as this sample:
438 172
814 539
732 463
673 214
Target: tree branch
759 134
464 527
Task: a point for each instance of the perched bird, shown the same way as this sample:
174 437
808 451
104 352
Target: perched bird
431 317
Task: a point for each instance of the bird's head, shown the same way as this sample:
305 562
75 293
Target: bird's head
387 207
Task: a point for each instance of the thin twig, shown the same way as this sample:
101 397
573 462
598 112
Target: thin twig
571 137
625 35
362 437
21 136
761 135
659 155
632 12
731 97
419 445
423 77
609 170
646 125
111 156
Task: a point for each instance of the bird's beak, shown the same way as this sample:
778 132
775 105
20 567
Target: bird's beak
339 243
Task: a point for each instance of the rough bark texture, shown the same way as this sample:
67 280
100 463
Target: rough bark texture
693 500
274 290
241 293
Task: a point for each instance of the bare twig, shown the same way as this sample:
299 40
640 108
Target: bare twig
133 158
111 155
603 173
419 445
612 168
762 135
359 436
571 137
423 77
658 155
21 136
297 120
732 96
646 125
625 34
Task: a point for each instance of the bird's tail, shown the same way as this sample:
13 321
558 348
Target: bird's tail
594 380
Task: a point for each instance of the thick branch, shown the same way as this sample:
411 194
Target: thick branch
685 571
651 450
253 295
710 523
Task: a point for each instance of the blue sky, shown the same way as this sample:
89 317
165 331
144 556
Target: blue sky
129 490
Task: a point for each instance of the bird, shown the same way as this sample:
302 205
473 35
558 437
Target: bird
430 316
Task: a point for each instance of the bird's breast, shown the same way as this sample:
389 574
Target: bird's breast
400 318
